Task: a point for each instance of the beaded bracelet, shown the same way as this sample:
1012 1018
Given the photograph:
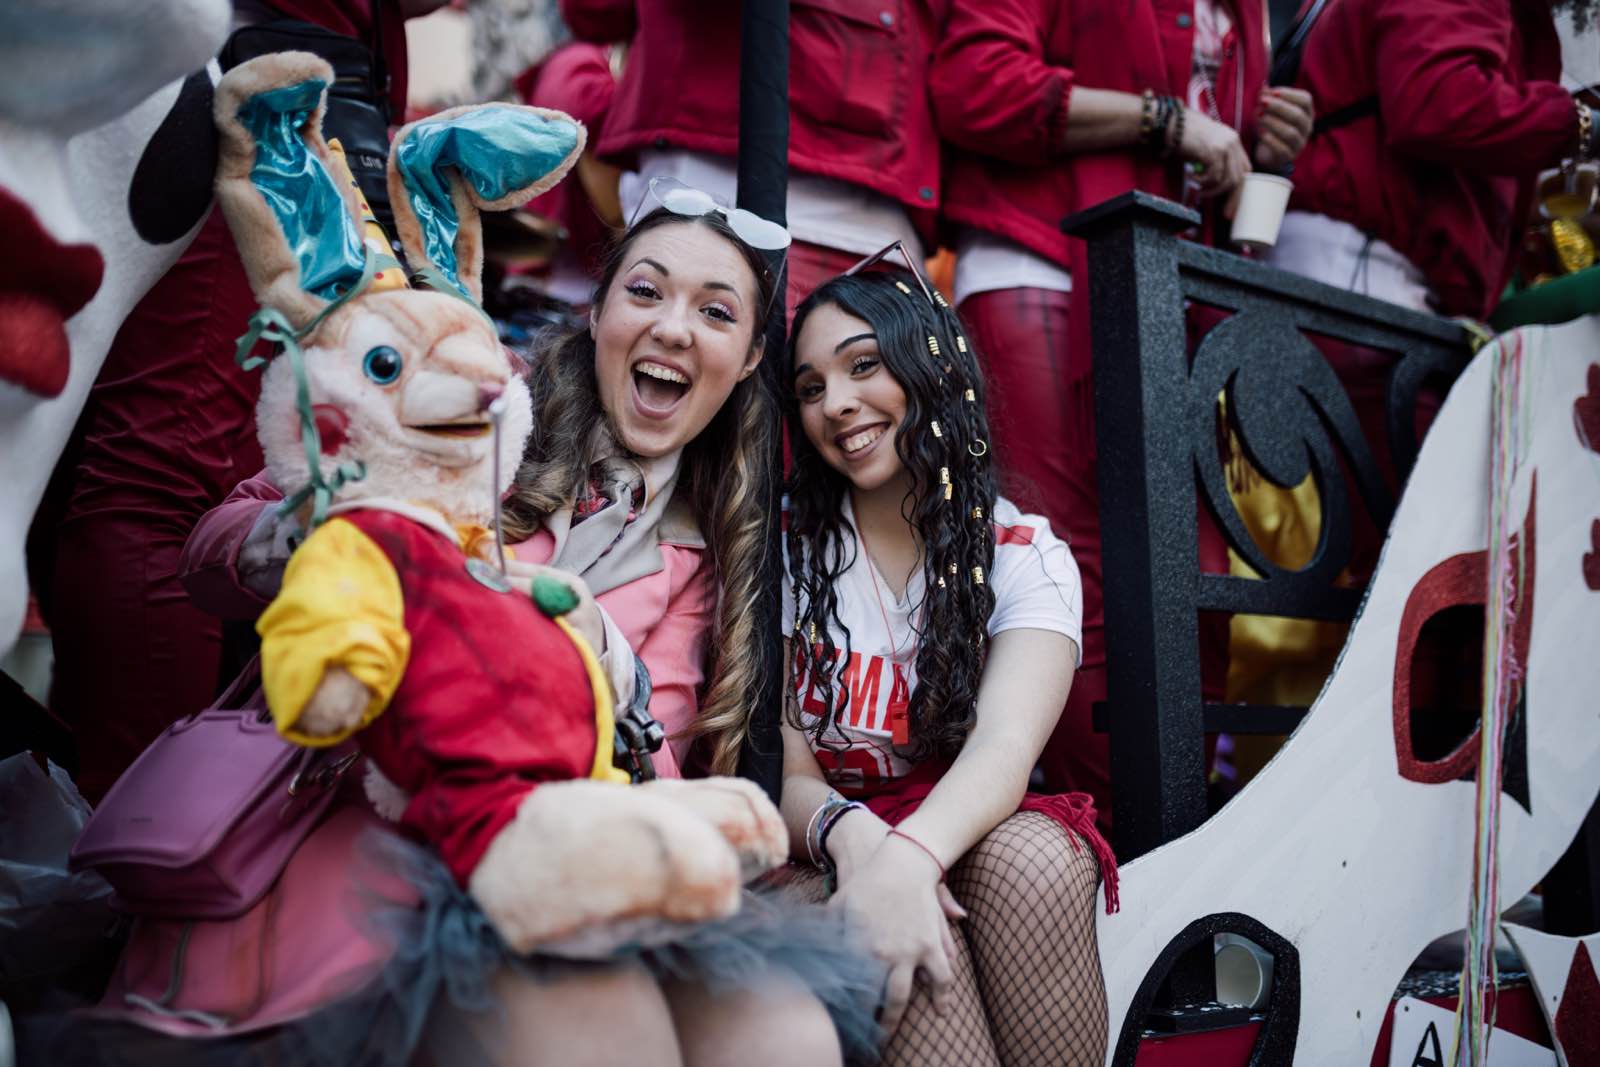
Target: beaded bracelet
1147 117
1174 130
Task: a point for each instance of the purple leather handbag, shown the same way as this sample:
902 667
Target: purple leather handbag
204 821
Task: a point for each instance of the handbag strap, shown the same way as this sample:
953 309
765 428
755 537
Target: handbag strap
248 680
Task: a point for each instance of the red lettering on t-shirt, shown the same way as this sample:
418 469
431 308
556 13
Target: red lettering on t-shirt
863 688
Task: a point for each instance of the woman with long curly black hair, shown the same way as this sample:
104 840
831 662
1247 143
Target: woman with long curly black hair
934 631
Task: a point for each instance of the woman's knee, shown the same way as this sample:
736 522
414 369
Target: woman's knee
777 1025
587 1017
1028 861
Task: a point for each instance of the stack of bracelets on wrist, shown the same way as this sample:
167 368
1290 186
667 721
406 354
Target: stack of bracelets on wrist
1586 131
1161 120
822 823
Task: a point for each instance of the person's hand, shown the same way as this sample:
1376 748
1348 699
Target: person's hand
585 618
1219 159
266 551
896 898
1283 126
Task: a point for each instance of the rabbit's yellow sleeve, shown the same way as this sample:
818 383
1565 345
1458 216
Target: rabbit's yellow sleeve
340 606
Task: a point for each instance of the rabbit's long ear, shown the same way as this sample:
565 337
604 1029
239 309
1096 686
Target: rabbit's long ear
296 227
445 168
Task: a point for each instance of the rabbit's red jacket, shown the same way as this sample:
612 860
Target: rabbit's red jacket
479 696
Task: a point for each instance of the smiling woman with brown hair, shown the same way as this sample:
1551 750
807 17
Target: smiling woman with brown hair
934 633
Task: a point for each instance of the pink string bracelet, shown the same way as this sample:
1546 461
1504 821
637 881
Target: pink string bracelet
897 832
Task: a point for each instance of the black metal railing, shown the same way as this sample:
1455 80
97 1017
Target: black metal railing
1159 422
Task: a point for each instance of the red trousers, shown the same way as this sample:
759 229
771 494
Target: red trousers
1041 410
169 429
809 266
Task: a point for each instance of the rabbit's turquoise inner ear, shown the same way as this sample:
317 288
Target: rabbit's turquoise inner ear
324 239
497 149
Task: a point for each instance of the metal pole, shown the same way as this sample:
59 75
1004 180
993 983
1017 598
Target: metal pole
763 189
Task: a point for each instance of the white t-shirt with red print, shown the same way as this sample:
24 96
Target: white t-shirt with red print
1036 586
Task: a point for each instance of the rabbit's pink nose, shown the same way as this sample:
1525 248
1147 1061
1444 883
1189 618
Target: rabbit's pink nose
488 394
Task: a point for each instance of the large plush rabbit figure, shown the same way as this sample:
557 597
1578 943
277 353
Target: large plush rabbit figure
393 623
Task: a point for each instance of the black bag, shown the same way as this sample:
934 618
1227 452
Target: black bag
1286 71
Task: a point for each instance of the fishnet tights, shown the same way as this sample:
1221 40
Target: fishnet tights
925 1038
1030 900
1028 991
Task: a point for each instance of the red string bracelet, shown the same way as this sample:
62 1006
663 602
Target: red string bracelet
897 832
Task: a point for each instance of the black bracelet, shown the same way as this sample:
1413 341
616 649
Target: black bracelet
1174 139
829 821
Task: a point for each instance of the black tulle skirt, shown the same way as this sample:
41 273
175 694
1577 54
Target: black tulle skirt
439 981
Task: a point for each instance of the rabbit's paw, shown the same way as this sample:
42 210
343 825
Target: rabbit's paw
741 813
337 706
581 854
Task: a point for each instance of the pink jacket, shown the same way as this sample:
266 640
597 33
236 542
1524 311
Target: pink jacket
666 616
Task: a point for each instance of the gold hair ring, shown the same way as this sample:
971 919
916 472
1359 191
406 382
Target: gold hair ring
900 285
977 575
933 345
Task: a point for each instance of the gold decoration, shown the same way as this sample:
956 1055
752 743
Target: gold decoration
1573 247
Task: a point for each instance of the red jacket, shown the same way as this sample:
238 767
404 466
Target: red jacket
494 701
1469 112
857 75
1000 83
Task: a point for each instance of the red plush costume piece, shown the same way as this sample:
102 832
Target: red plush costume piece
494 700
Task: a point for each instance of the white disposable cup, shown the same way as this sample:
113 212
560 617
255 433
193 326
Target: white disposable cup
1244 974
1261 205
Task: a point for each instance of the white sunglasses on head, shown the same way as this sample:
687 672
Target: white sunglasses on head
686 200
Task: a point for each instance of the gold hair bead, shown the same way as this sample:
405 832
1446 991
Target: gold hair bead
961 342
944 475
933 345
953 569
938 298
941 581
977 513
977 575
949 490
813 633
934 424
902 287
972 397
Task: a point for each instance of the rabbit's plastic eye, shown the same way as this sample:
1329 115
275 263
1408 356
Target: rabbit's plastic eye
382 364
